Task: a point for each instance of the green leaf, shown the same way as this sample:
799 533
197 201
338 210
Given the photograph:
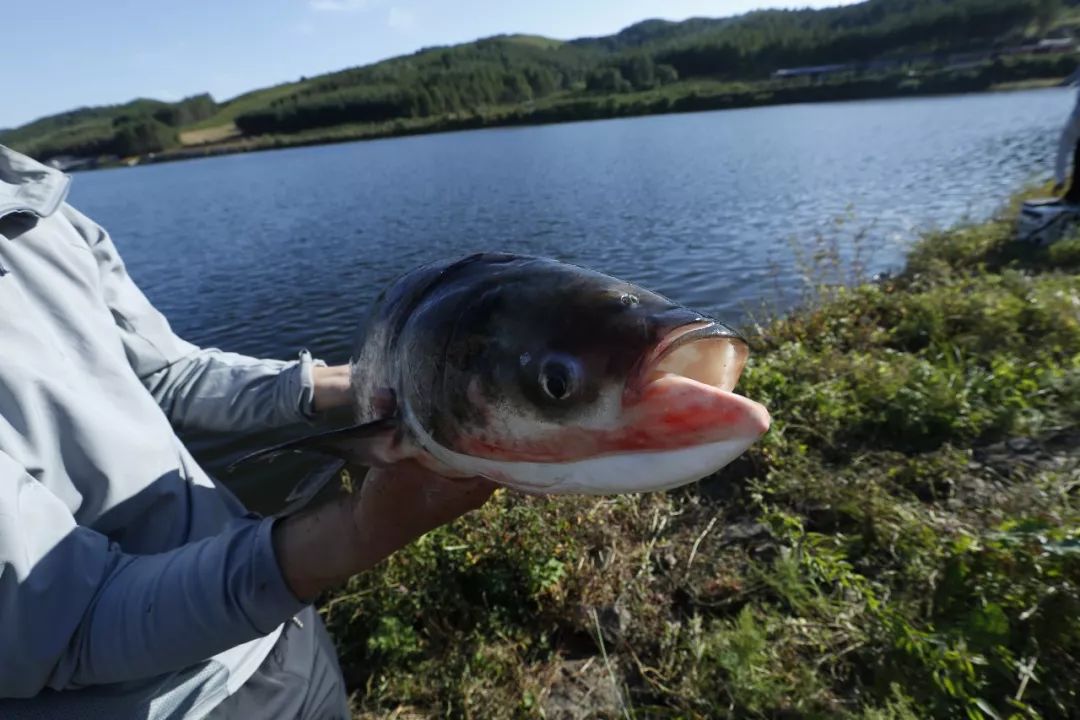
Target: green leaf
988 624
987 708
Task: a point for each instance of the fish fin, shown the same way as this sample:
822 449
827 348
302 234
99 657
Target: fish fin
311 486
370 443
314 481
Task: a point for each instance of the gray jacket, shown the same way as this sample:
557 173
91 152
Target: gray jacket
131 583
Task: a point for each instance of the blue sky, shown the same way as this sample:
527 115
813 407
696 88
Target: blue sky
68 53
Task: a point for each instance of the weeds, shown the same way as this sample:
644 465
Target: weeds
904 543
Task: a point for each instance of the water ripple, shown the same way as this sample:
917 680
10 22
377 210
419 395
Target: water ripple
269 252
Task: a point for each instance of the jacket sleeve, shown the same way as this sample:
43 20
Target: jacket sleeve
76 611
204 389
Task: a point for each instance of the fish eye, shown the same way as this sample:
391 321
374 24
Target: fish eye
559 377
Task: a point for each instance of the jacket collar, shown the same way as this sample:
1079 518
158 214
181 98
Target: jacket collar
27 186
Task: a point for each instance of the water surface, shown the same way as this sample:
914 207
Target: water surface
265 253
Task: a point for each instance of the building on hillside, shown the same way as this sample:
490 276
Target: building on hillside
817 71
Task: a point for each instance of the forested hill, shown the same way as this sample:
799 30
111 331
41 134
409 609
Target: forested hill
125 129
521 72
757 43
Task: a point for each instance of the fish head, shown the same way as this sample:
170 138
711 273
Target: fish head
551 378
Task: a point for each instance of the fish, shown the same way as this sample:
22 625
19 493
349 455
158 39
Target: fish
542 376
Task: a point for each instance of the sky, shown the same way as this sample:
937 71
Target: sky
70 53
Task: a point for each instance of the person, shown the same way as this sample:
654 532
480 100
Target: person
1069 146
132 584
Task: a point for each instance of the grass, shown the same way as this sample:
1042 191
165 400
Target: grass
215 134
904 543
1032 84
243 103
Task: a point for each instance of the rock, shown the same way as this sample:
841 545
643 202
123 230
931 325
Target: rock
1019 456
742 531
584 689
1022 445
614 622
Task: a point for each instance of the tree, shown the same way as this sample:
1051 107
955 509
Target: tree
607 80
666 74
640 71
425 104
515 89
137 136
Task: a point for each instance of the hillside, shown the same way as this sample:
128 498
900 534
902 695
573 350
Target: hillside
651 66
132 128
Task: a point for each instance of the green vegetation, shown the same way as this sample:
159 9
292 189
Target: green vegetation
889 47
904 543
134 128
511 73
757 43
681 96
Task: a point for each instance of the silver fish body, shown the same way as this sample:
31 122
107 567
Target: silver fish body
545 377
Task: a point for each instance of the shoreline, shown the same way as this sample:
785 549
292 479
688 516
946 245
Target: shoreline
516 117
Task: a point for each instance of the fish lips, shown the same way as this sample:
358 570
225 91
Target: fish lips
689 378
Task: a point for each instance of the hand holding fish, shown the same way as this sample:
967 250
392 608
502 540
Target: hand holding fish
321 547
332 388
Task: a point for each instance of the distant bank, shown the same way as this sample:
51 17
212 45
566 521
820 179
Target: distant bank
871 49
681 98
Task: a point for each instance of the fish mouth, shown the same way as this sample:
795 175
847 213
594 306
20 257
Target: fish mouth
684 392
705 352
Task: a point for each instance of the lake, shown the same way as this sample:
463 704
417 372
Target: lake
265 253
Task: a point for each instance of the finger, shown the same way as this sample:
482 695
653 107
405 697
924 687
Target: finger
468 483
476 499
405 471
414 471
461 496
464 487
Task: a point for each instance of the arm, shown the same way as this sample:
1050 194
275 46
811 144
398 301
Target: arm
206 388
75 610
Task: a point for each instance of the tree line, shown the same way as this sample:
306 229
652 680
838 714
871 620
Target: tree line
766 41
514 70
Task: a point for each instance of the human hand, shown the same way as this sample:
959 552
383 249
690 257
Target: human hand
332 387
397 505
321 548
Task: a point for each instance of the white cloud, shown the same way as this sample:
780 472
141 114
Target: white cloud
400 18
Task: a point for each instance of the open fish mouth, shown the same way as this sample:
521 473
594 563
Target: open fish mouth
684 395
706 352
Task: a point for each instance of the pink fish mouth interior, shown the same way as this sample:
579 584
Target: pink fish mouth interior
703 352
684 395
